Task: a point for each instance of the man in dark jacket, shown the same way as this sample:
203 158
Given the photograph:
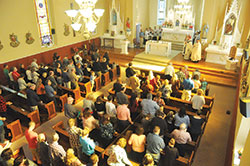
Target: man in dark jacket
171 153
32 98
129 71
44 151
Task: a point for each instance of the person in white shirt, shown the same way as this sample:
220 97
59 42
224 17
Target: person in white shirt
118 155
28 74
21 82
111 109
198 100
196 52
34 64
169 71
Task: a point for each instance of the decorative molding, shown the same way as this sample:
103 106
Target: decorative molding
13 40
29 38
1 46
66 30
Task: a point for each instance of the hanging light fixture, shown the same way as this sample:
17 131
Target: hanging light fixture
85 17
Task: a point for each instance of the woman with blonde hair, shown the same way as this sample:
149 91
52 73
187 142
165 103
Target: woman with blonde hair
148 160
159 100
198 100
71 159
118 155
88 102
87 144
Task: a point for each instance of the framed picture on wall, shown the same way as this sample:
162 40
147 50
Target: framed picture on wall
112 33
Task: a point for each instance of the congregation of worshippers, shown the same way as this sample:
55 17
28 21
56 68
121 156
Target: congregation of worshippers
147 118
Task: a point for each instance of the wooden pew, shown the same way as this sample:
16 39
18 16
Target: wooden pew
63 100
85 88
59 127
75 92
34 116
16 130
51 109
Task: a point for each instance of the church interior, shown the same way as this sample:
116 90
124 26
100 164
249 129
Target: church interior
105 82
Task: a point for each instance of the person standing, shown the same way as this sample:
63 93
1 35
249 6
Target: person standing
44 150
32 97
123 117
169 71
74 133
57 151
69 110
198 101
31 137
171 153
155 144
196 52
188 85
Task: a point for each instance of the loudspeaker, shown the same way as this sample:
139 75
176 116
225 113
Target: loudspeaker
53 31
245 106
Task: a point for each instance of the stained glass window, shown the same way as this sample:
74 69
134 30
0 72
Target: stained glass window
161 14
43 22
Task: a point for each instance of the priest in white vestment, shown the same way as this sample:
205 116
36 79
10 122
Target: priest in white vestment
196 52
188 50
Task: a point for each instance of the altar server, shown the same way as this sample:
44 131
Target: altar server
196 52
146 37
188 50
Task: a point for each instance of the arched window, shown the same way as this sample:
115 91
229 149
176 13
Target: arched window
161 12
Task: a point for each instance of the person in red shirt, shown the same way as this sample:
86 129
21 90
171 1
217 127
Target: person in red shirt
31 138
15 74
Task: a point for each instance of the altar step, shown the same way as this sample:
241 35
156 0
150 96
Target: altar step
213 75
177 46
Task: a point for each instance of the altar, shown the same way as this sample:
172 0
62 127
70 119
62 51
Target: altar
158 48
218 55
114 42
115 34
176 35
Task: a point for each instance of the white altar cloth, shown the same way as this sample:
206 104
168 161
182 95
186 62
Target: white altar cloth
218 55
158 48
175 35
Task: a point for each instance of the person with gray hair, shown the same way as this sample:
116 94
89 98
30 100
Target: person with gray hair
57 151
149 106
181 137
69 110
169 71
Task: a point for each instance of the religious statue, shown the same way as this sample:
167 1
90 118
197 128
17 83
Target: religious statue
29 38
66 30
114 17
229 27
1 46
233 53
205 31
196 52
13 40
128 27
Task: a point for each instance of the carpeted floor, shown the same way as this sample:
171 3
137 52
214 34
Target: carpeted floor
154 62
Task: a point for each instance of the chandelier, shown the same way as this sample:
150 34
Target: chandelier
182 7
85 17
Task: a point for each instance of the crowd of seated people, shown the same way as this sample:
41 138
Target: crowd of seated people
112 116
